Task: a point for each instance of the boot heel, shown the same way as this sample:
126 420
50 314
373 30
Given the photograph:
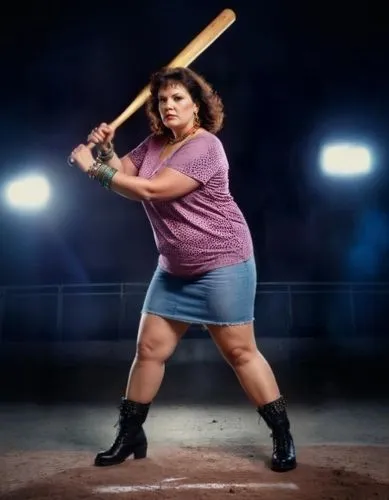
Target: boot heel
140 452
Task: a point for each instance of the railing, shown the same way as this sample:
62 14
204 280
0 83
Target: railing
110 311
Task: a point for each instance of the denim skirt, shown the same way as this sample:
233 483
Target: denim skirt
223 296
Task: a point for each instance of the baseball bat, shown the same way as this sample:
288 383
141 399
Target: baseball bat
191 52
187 55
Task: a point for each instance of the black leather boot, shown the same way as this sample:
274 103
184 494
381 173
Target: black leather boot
130 438
276 418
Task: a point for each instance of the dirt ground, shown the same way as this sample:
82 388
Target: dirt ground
205 439
324 472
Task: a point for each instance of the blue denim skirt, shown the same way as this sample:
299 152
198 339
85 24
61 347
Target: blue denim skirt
223 296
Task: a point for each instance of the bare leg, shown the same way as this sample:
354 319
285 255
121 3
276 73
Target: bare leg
237 345
157 340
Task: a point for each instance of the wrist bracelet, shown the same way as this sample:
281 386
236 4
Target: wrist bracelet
107 155
102 173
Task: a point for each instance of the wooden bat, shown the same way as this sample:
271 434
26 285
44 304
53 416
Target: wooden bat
191 52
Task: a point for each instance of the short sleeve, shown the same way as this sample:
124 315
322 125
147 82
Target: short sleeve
200 159
138 154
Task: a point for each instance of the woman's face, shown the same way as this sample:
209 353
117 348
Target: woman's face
176 107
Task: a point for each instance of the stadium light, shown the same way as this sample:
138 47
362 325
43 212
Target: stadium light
30 192
345 160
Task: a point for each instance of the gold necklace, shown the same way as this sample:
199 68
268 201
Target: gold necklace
173 140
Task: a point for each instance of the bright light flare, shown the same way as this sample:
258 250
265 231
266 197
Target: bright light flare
345 160
30 192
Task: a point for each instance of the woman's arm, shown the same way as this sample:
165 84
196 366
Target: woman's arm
124 165
168 184
103 136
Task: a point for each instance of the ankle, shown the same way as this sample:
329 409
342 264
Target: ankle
275 413
277 403
134 410
271 399
141 402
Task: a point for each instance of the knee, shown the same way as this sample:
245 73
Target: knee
151 350
239 355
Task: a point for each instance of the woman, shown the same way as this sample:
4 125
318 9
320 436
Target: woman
206 271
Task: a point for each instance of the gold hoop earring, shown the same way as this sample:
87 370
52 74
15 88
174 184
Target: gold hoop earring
196 119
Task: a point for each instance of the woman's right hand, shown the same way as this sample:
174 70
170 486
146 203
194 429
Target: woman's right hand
102 136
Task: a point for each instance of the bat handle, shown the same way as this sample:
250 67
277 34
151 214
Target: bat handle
70 160
134 106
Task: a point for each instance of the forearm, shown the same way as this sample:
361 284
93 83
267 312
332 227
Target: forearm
116 162
132 187
169 184
124 165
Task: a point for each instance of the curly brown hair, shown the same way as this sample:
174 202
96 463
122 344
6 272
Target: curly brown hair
210 105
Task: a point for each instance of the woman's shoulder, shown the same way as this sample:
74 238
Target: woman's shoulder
208 139
209 146
152 141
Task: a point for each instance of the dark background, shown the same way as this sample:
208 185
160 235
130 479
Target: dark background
292 75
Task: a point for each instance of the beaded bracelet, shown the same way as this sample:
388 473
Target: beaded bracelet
102 173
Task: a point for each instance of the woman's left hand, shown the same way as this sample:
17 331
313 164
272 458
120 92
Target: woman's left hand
82 157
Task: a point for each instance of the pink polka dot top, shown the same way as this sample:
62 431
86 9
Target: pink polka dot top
204 229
